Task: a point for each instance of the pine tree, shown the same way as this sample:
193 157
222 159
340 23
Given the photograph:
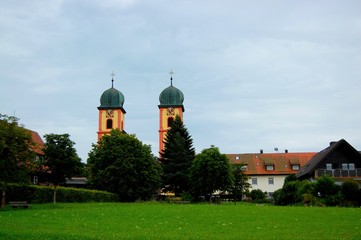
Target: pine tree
177 158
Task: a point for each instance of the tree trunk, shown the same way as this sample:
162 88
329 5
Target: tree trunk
3 198
235 196
54 195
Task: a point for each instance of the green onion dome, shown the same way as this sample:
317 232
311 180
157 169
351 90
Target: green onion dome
111 98
171 96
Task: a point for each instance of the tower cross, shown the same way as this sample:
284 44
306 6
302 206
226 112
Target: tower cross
171 77
113 74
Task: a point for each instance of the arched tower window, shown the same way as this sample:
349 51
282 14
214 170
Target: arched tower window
170 121
109 124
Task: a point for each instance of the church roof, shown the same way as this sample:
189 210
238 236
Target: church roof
171 96
111 98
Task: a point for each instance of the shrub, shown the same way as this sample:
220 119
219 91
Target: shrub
278 197
328 192
258 195
307 199
44 194
325 187
350 190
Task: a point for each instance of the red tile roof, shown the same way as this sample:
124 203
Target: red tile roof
281 162
39 144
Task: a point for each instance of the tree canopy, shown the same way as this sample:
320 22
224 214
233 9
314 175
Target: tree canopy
122 164
240 184
210 171
60 159
324 192
177 158
15 150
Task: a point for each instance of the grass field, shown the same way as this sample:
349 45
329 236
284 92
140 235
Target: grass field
177 221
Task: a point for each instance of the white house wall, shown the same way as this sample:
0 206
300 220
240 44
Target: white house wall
263 182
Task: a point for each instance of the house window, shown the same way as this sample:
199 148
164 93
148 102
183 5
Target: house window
270 167
351 166
295 167
254 181
237 158
344 166
271 181
109 124
329 166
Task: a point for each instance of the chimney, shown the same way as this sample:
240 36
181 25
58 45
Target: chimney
286 150
261 151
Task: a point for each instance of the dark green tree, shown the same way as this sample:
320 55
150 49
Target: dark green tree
291 191
60 159
122 164
177 158
326 189
16 153
328 192
350 190
210 171
240 184
290 178
257 195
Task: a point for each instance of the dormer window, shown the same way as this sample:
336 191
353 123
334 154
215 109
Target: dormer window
237 158
270 167
295 167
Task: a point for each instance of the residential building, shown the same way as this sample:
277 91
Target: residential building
339 160
267 171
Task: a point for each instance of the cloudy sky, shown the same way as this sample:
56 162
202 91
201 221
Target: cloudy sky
255 74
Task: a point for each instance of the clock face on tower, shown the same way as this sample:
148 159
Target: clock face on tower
109 113
170 111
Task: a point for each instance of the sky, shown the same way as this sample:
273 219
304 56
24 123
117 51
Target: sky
254 74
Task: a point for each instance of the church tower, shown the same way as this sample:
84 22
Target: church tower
111 111
171 104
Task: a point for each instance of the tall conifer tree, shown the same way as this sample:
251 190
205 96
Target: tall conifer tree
177 158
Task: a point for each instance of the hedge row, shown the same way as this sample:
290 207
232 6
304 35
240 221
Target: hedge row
44 194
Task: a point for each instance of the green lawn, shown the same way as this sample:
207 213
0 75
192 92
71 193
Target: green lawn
177 221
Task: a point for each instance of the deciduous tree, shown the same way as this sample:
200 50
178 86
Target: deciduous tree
328 191
15 151
350 190
61 160
122 164
240 184
210 171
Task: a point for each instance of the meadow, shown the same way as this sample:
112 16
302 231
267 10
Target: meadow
154 220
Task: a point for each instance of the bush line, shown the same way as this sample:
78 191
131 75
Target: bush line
44 194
